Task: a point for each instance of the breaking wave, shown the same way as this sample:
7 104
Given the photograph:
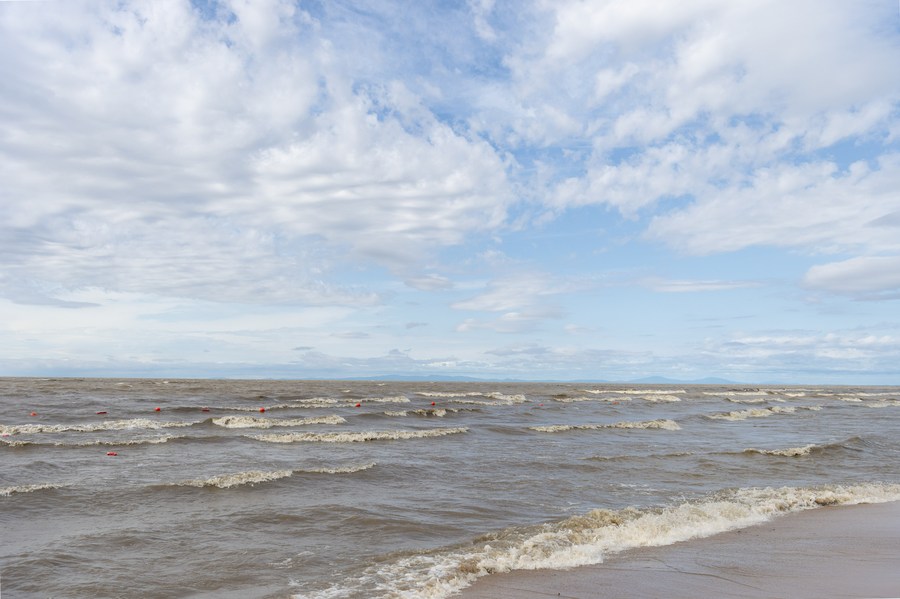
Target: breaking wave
359 437
7 491
257 422
587 539
754 400
89 427
227 481
789 452
438 412
255 477
464 398
635 391
567 399
753 413
660 398
669 425
96 442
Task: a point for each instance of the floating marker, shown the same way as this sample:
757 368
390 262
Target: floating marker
432 403
262 409
101 413
111 453
157 409
204 409
34 413
358 405
540 405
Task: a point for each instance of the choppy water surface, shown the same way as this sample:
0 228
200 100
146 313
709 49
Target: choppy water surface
361 489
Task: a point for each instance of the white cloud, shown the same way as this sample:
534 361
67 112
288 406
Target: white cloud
429 282
683 286
147 149
811 205
866 276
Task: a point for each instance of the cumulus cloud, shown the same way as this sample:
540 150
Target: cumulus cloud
150 147
736 115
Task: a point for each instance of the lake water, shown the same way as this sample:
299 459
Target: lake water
337 489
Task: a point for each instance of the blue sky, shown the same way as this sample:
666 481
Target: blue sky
601 190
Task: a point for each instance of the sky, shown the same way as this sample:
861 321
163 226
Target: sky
533 190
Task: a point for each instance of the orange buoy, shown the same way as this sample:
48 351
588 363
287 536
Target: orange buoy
111 453
101 413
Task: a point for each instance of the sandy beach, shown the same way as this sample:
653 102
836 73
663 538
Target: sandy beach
847 551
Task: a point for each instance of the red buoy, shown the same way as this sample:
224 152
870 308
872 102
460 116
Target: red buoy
34 413
101 413
111 453
204 409
262 409
358 405
157 409
432 403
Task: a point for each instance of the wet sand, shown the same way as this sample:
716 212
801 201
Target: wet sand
835 552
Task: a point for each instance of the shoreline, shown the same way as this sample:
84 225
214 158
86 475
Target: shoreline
836 551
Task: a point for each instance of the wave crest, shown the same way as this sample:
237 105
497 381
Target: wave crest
257 422
669 425
89 427
753 413
586 539
7 491
358 437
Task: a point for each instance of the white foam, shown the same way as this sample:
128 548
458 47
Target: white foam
227 481
7 491
588 538
750 400
750 393
104 425
660 398
497 397
389 399
615 399
881 404
96 442
358 437
340 469
661 423
789 452
437 412
754 413
256 422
